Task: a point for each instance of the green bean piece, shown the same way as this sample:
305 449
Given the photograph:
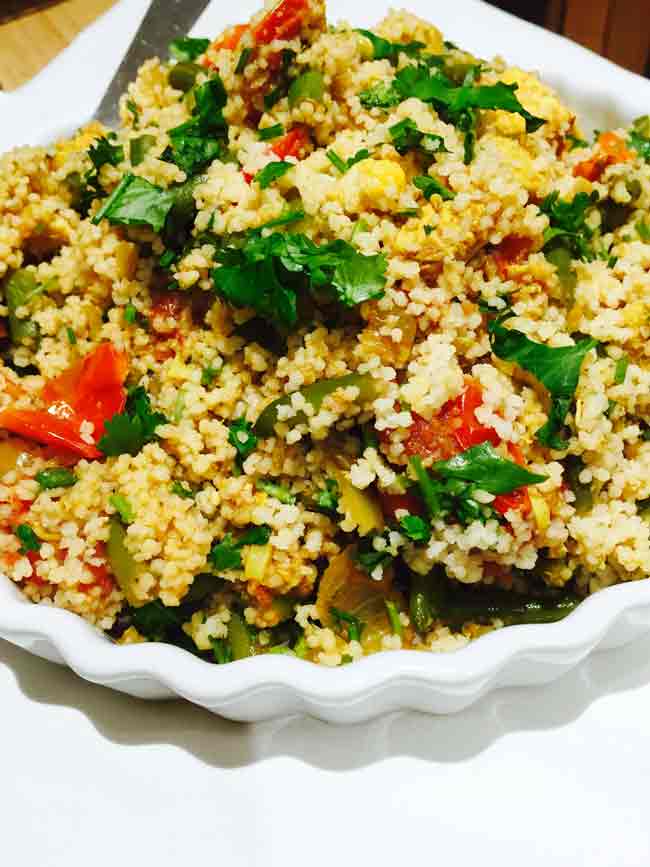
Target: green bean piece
419 608
124 566
309 85
584 499
182 76
19 289
315 394
480 606
239 637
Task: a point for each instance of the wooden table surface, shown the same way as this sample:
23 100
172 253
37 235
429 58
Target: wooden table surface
29 43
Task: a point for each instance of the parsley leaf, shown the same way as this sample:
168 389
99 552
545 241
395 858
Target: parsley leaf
188 48
201 139
55 477
280 492
128 431
621 370
344 165
485 467
273 172
433 187
226 554
415 528
385 50
268 272
180 490
136 202
28 538
241 436
567 220
450 497
575 142
102 153
406 136
327 498
639 137
556 368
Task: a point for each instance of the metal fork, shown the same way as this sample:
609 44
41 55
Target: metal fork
165 20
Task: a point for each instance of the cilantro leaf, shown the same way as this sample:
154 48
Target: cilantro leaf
28 538
226 554
128 431
136 202
433 187
188 48
556 368
485 467
385 50
273 172
415 528
102 153
201 139
241 436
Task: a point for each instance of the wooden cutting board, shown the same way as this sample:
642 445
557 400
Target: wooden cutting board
28 44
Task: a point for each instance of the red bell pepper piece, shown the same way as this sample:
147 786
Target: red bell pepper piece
293 144
92 390
283 22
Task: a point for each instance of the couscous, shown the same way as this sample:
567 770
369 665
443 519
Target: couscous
338 344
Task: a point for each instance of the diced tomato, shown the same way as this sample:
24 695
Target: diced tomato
430 439
391 503
231 39
282 22
460 414
611 150
293 144
102 579
248 177
512 249
518 500
92 390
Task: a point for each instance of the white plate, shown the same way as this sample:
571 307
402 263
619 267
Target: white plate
269 686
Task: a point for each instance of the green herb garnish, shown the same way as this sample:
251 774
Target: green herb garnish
55 477
123 508
28 538
128 431
273 172
227 553
432 186
241 436
187 48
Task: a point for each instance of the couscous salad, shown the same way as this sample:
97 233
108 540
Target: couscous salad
338 344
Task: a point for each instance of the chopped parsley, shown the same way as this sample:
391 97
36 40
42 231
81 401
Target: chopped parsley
29 541
180 490
639 137
556 368
187 48
568 224
273 172
133 109
575 142
271 132
123 508
384 50
280 492
450 497
344 165
102 153
55 477
209 374
406 137
268 272
352 625
327 498
485 467
130 314
136 202
72 337
201 139
415 528
241 436
128 431
433 187
227 553
621 370
456 105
